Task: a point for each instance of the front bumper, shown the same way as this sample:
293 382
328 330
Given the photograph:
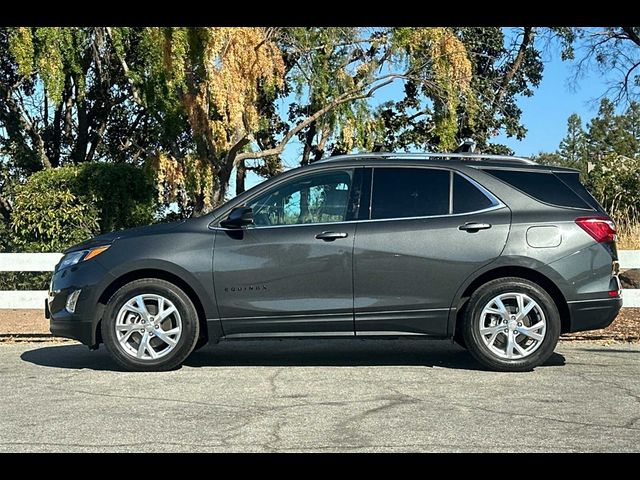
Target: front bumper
91 278
593 314
79 329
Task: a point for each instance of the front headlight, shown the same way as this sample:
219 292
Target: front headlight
72 258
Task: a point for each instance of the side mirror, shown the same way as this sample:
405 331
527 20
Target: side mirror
238 218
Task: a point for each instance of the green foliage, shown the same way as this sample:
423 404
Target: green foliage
573 148
52 52
56 208
67 100
573 151
48 216
5 244
611 147
615 182
123 194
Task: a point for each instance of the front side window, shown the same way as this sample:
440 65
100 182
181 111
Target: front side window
321 197
409 192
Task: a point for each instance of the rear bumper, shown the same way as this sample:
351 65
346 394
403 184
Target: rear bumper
593 314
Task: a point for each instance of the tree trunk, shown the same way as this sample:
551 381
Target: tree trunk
5 208
306 154
241 175
527 39
82 138
57 137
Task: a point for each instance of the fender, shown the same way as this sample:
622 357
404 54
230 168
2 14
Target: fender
510 261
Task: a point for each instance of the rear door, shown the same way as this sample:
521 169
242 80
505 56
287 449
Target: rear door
428 230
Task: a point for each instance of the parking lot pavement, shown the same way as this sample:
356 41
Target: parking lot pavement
293 395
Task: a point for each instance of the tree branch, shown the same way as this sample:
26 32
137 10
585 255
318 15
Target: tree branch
527 37
349 96
632 35
125 68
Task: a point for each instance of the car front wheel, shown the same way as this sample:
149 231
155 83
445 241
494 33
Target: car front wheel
150 325
511 324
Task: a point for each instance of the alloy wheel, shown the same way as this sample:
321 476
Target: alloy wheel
512 325
148 326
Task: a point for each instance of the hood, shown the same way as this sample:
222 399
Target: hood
107 238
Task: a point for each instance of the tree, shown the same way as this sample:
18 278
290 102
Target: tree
611 144
608 132
573 148
615 51
65 94
500 73
217 80
65 100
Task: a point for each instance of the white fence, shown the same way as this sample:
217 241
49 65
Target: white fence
26 262
45 262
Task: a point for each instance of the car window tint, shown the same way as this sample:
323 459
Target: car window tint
572 180
409 192
321 197
467 197
543 186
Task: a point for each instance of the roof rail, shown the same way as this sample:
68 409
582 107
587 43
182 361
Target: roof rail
436 156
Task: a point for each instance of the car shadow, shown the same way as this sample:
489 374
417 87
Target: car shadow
285 353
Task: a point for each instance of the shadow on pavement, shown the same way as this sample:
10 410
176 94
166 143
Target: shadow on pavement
289 353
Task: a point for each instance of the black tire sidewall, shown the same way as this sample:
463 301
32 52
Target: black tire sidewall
471 330
188 316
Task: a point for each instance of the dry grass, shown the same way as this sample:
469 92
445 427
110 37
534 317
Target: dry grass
629 237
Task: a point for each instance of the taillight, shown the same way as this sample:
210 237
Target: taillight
600 228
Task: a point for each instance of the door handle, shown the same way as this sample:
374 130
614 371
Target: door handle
331 236
474 227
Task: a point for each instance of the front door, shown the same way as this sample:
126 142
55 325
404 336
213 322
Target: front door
419 246
291 272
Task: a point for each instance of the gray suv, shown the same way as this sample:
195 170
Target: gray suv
498 253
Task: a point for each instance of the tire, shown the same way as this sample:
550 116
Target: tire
167 324
502 323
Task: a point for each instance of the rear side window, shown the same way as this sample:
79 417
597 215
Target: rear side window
543 186
409 192
467 197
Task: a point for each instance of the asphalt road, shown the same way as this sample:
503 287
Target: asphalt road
296 395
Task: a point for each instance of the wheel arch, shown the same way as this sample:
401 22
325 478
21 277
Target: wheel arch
510 271
160 274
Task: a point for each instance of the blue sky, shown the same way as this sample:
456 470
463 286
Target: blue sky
544 114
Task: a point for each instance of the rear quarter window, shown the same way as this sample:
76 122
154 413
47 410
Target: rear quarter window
543 186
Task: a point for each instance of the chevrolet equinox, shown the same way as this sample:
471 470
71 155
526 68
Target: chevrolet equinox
498 253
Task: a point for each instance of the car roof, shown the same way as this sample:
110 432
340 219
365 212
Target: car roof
443 159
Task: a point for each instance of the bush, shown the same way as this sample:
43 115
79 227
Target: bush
124 194
56 208
615 182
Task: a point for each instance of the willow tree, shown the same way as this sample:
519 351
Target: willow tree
203 83
66 99
222 84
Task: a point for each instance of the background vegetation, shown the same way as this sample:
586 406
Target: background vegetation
103 128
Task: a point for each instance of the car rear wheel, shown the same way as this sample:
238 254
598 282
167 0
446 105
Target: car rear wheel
511 324
150 325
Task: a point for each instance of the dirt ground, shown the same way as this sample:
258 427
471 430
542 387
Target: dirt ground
31 323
